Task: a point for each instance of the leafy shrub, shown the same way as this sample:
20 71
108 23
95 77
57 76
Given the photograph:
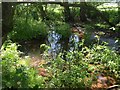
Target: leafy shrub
78 70
63 29
27 31
113 16
69 74
54 12
75 71
66 75
16 71
103 55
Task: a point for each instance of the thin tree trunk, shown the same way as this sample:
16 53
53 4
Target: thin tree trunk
67 13
0 25
118 11
42 12
83 17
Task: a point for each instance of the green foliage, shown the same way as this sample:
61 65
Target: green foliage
66 75
75 72
54 12
29 30
27 24
75 12
113 16
89 27
110 10
87 39
102 54
101 26
63 29
16 71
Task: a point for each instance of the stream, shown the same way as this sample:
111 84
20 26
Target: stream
32 48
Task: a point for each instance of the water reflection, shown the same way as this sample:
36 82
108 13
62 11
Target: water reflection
53 39
73 42
56 46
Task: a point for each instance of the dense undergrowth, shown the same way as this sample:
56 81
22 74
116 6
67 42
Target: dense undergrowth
78 70
26 31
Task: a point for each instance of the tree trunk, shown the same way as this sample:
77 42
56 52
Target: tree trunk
7 18
0 25
67 13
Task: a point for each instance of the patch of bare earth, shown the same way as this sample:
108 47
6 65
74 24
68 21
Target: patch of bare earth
103 82
36 61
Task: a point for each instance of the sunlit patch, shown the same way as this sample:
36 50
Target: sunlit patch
22 62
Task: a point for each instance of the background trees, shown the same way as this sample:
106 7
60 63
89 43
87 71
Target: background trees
40 11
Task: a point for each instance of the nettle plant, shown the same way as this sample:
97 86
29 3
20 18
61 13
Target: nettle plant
101 54
76 71
69 73
81 67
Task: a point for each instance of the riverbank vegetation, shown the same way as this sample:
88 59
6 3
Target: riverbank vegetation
60 45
